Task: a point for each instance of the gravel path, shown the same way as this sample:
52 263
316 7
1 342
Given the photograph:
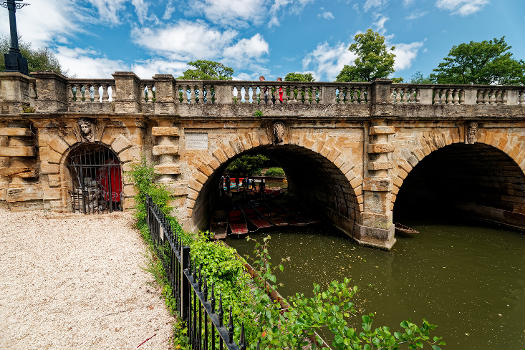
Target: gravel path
70 281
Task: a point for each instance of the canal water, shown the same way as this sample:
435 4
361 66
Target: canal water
466 278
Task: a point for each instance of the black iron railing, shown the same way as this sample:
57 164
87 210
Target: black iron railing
195 302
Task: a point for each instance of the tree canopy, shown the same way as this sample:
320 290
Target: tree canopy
304 77
38 60
373 59
486 62
247 164
207 70
419 78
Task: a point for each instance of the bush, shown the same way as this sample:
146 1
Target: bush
275 171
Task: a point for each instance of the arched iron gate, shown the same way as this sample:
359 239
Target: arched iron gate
96 178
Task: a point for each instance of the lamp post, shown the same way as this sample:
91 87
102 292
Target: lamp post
14 61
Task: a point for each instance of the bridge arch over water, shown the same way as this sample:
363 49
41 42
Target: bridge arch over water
456 179
314 179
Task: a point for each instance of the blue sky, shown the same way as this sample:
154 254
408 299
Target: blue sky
94 38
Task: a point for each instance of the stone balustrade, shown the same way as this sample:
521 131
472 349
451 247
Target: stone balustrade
93 90
161 95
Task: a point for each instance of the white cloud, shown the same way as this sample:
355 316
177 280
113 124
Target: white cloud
380 24
416 15
254 47
45 21
325 62
406 54
141 9
169 10
326 15
108 9
461 7
408 2
184 40
228 12
87 63
280 6
374 4
147 69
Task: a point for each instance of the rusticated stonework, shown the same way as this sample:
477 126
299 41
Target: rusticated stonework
351 144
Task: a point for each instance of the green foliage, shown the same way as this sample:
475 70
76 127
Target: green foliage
373 59
330 310
304 77
397 80
247 164
207 70
38 60
263 318
275 171
258 113
486 62
418 78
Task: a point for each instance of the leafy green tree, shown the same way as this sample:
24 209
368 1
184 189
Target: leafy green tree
207 70
486 62
373 59
303 77
418 78
247 164
38 60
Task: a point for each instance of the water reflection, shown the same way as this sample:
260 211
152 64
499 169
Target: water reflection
466 278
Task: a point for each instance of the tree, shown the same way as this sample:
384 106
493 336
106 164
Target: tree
486 62
304 77
373 59
247 164
38 60
207 70
418 78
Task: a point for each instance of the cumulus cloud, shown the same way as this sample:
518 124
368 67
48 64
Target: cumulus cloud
254 47
184 40
325 61
228 12
326 15
406 54
461 7
148 68
87 63
45 21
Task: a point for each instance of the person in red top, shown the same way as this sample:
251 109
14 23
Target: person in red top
280 90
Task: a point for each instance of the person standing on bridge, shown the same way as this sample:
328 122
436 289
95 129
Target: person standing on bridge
264 90
280 90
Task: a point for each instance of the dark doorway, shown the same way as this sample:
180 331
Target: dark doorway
96 179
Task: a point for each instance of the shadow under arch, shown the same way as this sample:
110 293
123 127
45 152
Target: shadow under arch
464 180
314 180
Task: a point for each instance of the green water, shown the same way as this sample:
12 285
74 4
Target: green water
467 279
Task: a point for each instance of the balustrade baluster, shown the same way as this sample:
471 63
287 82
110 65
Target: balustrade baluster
504 97
74 90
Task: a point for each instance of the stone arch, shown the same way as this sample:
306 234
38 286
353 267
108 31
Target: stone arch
203 167
489 173
55 149
512 146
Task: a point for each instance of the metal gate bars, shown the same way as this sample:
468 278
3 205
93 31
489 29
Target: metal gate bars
97 179
195 302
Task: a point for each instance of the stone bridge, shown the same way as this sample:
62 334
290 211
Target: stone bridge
353 151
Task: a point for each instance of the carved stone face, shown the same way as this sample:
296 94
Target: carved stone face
86 130
472 132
